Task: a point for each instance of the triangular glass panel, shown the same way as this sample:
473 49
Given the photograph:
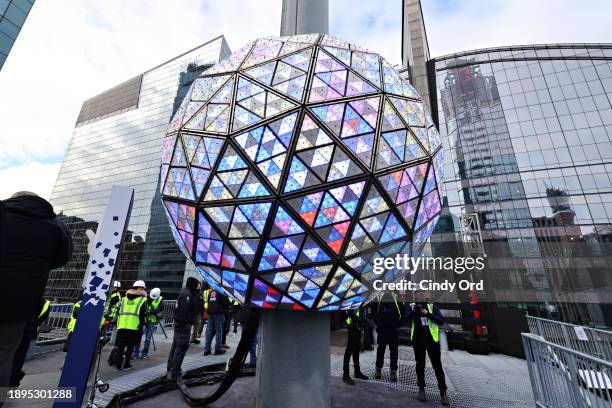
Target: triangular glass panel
265 49
367 65
411 112
204 88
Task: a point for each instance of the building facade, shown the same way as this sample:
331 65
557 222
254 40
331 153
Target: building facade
527 133
13 14
117 141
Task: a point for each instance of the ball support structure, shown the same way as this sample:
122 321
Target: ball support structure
293 164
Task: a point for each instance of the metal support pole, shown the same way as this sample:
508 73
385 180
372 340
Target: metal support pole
293 365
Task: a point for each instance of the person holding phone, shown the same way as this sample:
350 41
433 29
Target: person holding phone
425 320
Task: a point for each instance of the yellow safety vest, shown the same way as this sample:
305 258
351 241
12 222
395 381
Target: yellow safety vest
129 313
349 320
433 327
154 305
44 308
72 321
205 295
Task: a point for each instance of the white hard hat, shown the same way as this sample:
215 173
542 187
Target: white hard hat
117 284
139 284
155 293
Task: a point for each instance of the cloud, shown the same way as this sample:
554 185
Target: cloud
36 177
467 25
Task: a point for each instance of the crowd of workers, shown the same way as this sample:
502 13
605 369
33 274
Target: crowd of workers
136 316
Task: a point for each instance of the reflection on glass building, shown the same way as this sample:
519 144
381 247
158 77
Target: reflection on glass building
527 133
13 14
117 141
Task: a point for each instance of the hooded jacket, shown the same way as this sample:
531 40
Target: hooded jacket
185 311
32 242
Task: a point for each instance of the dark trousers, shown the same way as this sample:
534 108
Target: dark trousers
353 346
11 334
180 344
226 326
22 351
124 355
196 330
383 341
434 356
214 328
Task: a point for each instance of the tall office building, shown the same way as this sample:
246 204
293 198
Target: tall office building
13 14
527 133
527 136
117 141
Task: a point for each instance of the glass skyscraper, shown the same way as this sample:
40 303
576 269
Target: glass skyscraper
117 141
13 14
527 135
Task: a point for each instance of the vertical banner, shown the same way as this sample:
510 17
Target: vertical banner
103 255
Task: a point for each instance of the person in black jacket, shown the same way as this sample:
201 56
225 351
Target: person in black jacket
388 318
354 324
184 317
425 320
217 307
32 242
196 329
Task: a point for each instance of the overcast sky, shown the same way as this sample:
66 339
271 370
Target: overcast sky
68 53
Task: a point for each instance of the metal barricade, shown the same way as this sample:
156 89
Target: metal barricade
562 377
59 315
167 308
595 342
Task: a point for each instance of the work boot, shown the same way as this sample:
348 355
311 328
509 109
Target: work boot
393 376
207 353
219 352
225 346
347 379
421 395
444 398
127 367
360 376
378 374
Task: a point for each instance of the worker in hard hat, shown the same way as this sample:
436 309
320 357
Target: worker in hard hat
153 309
112 306
131 319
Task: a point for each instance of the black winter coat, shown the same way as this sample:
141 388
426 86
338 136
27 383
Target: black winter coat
217 303
186 309
32 242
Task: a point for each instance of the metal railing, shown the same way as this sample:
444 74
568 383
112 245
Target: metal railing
562 377
167 309
595 342
59 315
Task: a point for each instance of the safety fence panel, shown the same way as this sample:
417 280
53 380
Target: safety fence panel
54 330
562 377
167 310
595 342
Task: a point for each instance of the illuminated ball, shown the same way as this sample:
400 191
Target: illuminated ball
294 164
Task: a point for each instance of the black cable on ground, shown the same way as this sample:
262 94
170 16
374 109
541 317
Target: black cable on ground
210 374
